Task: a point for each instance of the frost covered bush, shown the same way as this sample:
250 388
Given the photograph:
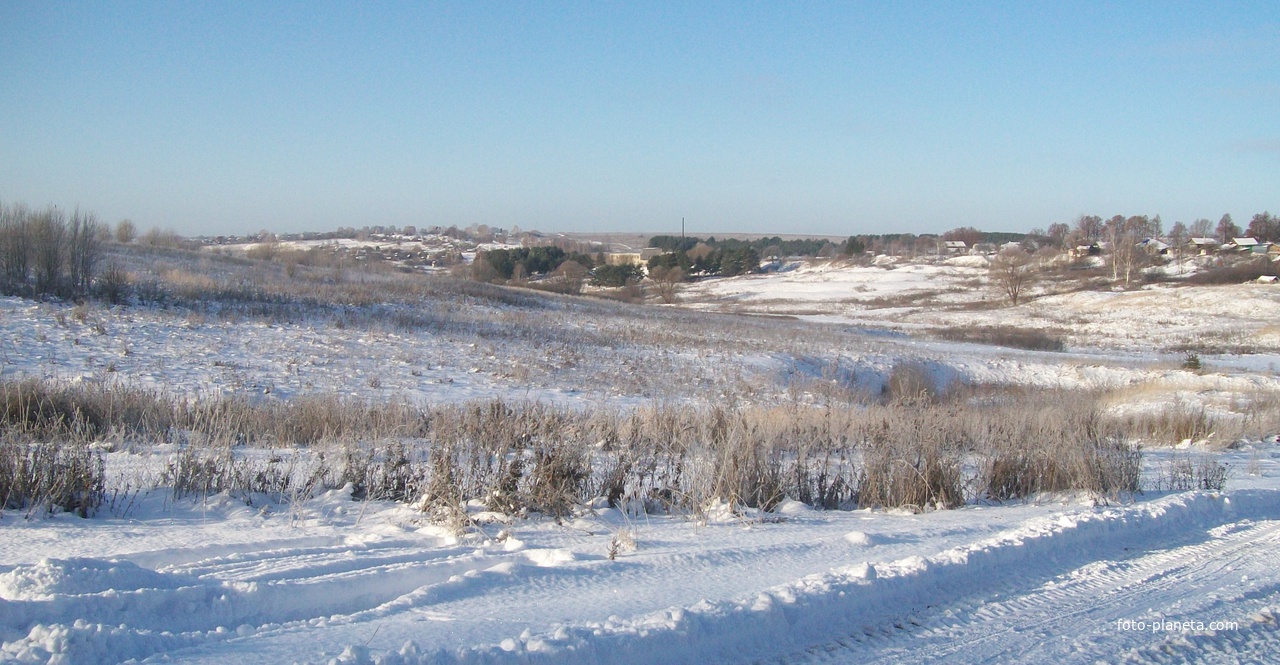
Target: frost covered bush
1059 444
50 476
908 477
919 452
1183 472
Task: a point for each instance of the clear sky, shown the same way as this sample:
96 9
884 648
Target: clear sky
779 117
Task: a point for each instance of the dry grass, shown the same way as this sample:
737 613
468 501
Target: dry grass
37 477
1186 472
918 452
1016 338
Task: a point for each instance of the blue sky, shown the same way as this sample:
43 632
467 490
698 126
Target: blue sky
780 117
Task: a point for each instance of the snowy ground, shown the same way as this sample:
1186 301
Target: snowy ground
1164 577
954 292
1061 579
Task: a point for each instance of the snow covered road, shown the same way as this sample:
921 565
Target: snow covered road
1022 583
1139 602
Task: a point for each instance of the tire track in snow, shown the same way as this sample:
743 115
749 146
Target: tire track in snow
1075 617
1159 544
1050 562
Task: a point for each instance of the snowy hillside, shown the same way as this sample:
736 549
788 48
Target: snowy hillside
1183 570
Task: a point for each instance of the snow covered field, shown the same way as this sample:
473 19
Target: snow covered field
1161 576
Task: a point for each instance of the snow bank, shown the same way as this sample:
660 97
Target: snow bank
784 619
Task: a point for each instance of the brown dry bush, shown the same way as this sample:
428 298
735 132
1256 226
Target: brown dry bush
520 458
1173 424
910 382
1016 338
84 412
50 476
911 456
919 479
1236 272
1059 443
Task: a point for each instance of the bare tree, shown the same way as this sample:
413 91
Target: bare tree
1201 228
48 234
1227 229
1089 228
15 244
482 270
1012 272
1265 227
1057 233
1178 235
83 237
126 231
113 283
570 275
1123 234
666 281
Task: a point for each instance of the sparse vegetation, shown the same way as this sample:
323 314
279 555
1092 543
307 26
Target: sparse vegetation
920 443
666 280
1017 338
44 254
910 453
1012 272
1187 472
1235 272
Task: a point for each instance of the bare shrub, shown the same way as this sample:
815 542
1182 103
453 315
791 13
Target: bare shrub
666 281
199 472
1106 467
746 468
920 481
83 237
535 458
114 283
557 479
442 498
1175 423
621 542
569 278
126 231
1059 445
911 457
81 413
50 476
1235 272
15 246
165 238
910 382
1184 472
60 256
266 249
1017 338
394 474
